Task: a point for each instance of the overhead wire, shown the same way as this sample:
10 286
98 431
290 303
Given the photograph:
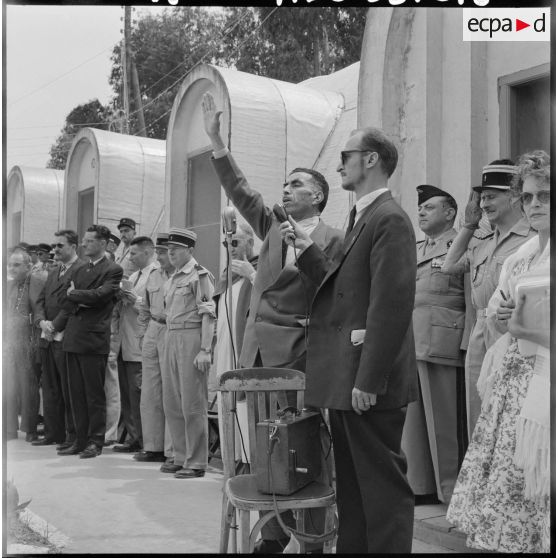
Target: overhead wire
196 64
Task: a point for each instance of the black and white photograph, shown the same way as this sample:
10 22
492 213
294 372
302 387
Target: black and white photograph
278 278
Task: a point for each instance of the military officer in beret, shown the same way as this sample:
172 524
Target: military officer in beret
483 255
190 318
127 229
434 437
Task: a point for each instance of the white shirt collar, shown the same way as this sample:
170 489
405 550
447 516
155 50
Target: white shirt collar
367 200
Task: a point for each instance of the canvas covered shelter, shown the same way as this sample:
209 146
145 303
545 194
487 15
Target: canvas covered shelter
33 204
110 176
270 126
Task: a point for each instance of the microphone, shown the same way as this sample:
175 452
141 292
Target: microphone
280 213
229 220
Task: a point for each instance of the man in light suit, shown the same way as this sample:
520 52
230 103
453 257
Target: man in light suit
281 297
90 299
51 318
361 356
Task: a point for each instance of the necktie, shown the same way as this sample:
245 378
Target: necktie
137 278
352 216
62 271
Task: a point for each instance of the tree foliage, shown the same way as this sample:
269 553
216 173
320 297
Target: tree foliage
92 114
290 44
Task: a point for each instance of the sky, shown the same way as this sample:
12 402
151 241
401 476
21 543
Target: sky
57 57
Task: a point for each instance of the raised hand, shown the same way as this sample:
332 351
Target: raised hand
211 117
473 212
242 267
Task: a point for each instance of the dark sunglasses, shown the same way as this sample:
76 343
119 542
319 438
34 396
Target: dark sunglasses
234 243
543 196
345 154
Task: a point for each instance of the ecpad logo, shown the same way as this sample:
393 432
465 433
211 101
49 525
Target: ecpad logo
506 24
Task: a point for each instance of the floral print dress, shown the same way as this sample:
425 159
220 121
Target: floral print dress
488 502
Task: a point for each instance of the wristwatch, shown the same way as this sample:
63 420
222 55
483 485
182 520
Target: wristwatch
206 349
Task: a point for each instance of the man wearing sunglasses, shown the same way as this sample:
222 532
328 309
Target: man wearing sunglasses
281 297
57 411
361 356
483 256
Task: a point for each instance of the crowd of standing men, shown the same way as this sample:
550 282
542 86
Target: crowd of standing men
390 333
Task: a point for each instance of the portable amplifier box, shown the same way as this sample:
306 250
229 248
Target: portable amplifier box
295 453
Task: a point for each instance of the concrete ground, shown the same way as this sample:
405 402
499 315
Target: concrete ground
113 504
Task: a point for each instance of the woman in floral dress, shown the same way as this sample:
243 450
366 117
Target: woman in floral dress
502 496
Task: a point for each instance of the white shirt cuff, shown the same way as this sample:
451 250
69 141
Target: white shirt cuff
221 153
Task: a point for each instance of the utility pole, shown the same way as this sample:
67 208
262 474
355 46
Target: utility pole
132 72
124 63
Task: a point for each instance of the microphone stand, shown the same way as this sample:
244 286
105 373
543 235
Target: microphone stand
229 293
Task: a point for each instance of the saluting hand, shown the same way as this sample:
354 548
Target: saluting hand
362 401
473 212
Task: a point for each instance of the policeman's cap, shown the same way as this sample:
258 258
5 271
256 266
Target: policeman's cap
498 177
114 238
426 191
162 240
127 222
43 247
182 237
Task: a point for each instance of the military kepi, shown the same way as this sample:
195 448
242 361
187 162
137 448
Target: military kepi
127 222
182 237
426 191
114 238
498 177
162 240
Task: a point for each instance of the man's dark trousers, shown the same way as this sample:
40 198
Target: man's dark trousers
129 381
57 409
86 374
374 436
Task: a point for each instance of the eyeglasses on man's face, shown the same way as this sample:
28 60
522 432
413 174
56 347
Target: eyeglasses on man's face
542 195
234 243
345 154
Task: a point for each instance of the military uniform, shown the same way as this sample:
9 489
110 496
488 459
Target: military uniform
153 329
187 295
434 437
484 259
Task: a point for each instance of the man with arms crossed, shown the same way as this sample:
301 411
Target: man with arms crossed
361 355
90 299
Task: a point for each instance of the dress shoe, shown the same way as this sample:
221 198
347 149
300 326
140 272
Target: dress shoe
64 445
151 456
270 546
109 443
72 450
170 468
127 448
189 473
31 436
92 450
43 442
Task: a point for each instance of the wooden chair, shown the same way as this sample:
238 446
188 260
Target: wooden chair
265 390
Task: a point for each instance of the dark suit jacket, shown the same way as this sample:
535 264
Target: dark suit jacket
90 305
242 305
370 287
280 297
53 295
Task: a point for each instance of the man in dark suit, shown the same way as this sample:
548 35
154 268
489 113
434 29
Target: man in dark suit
281 296
361 355
90 299
52 319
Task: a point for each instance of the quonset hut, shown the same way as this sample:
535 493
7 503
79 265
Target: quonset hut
110 176
271 127
33 204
